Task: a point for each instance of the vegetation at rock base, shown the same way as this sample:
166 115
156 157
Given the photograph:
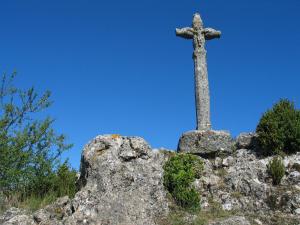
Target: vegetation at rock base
279 129
30 149
179 173
276 169
179 216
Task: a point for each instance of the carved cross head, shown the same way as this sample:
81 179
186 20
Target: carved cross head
197 31
197 22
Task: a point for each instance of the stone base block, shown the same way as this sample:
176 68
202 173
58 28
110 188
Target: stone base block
207 144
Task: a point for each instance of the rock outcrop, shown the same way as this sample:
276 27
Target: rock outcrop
241 183
15 216
246 141
121 182
121 179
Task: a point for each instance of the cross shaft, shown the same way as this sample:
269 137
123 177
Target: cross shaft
199 34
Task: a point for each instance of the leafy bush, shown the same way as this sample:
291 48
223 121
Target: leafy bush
58 183
65 181
179 173
276 169
279 129
30 149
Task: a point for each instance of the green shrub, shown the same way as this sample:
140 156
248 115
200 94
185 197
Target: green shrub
30 149
43 190
65 181
279 129
179 173
276 169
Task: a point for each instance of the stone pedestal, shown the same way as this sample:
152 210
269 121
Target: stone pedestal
207 144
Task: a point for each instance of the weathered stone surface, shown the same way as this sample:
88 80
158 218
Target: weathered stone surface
228 161
199 34
246 140
54 213
10 213
245 185
122 183
236 220
297 211
206 143
290 201
294 177
247 175
15 216
20 220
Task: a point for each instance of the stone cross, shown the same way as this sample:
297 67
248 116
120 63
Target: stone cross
199 34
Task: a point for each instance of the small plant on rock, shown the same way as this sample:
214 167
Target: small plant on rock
279 129
179 173
276 169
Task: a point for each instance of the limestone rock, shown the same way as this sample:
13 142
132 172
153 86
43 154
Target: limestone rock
54 213
20 220
206 143
10 213
247 176
236 220
293 161
228 161
297 211
218 162
294 177
121 181
258 222
246 141
15 216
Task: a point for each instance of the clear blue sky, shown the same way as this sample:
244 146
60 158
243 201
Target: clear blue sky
117 66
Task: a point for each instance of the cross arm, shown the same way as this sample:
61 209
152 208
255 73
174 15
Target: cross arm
186 32
211 33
